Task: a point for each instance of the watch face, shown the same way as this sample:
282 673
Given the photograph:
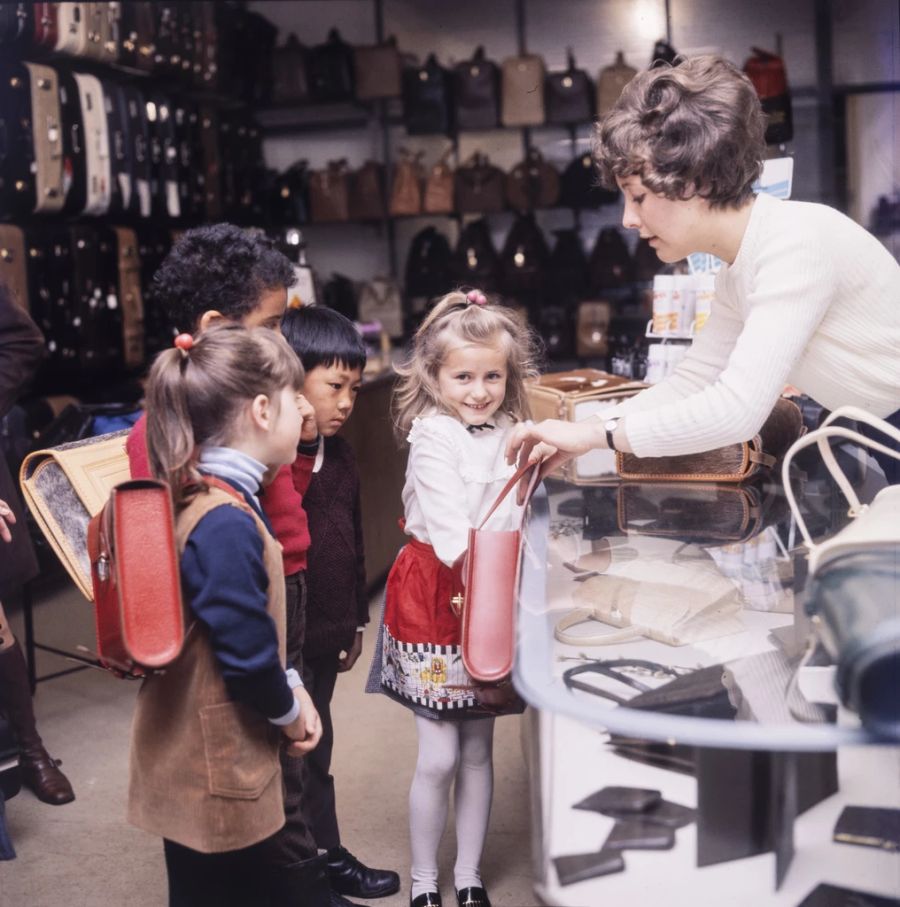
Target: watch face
611 425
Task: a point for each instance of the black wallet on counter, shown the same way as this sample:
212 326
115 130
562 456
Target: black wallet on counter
672 815
580 866
629 800
869 826
834 896
639 833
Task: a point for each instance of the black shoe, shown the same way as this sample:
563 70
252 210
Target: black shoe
429 899
338 900
349 876
472 897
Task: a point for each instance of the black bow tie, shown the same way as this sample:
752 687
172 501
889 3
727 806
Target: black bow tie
474 428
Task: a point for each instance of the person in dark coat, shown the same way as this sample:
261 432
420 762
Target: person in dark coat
21 350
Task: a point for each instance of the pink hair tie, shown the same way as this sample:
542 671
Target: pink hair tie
184 342
476 297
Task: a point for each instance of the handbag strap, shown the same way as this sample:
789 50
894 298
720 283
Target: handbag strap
579 616
821 436
519 474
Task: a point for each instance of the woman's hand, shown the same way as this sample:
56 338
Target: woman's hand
554 439
6 516
305 731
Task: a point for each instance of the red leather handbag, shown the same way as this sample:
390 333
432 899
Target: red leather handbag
491 578
136 579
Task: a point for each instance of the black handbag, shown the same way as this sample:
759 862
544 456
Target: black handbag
426 99
610 264
476 93
330 70
340 295
569 95
479 186
523 260
476 263
556 328
568 268
663 54
429 265
580 187
289 85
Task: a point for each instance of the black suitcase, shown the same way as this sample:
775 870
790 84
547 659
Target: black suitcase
138 150
154 243
16 26
166 203
189 145
18 183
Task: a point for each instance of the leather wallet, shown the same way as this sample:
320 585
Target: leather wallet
624 800
639 833
580 866
869 827
665 812
825 895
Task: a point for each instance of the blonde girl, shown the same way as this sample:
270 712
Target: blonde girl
222 410
461 392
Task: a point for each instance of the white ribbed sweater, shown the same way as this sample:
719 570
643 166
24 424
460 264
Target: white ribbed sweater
812 299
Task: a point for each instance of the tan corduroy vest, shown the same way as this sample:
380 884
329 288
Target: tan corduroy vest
204 769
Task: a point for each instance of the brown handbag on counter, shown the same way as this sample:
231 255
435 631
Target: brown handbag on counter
367 192
533 183
329 193
522 94
377 71
406 190
733 463
439 187
479 186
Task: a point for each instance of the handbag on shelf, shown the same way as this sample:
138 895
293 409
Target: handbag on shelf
522 91
135 579
426 99
429 265
733 463
655 588
476 93
329 70
579 187
329 193
490 570
439 187
479 186
381 300
569 95
532 183
610 264
406 189
366 200
476 263
853 577
593 320
290 195
289 85
523 259
612 80
767 73
568 267
377 71
574 396
65 486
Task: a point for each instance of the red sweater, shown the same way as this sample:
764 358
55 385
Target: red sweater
282 500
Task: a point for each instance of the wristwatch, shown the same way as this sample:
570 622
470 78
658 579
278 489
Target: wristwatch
609 426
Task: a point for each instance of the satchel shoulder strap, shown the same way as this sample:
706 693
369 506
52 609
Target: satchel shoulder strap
519 474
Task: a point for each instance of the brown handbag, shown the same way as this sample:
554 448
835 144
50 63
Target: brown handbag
329 193
611 81
377 70
479 186
592 328
439 187
367 192
733 463
522 93
406 190
533 183
490 570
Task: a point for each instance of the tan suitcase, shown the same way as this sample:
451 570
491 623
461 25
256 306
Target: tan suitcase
73 26
48 146
131 299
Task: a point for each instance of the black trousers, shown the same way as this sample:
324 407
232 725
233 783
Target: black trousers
889 465
320 675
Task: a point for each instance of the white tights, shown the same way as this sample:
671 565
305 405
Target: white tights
450 750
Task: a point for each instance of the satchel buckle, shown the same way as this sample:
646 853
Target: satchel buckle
103 568
456 603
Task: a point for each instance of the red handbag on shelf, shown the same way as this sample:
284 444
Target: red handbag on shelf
490 568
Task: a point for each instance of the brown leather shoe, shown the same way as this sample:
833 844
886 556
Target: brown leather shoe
41 774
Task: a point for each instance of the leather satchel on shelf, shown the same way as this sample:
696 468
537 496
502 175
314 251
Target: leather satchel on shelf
490 570
427 104
135 579
610 264
476 93
67 485
575 396
479 186
476 263
531 184
429 265
290 195
593 320
367 192
580 187
523 259
330 70
439 187
406 189
569 95
733 463
767 73
377 71
611 81
289 85
329 193
523 91
568 267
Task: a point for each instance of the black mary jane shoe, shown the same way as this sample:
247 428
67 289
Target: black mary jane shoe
350 877
429 899
472 897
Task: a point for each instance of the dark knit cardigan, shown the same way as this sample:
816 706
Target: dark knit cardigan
337 602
